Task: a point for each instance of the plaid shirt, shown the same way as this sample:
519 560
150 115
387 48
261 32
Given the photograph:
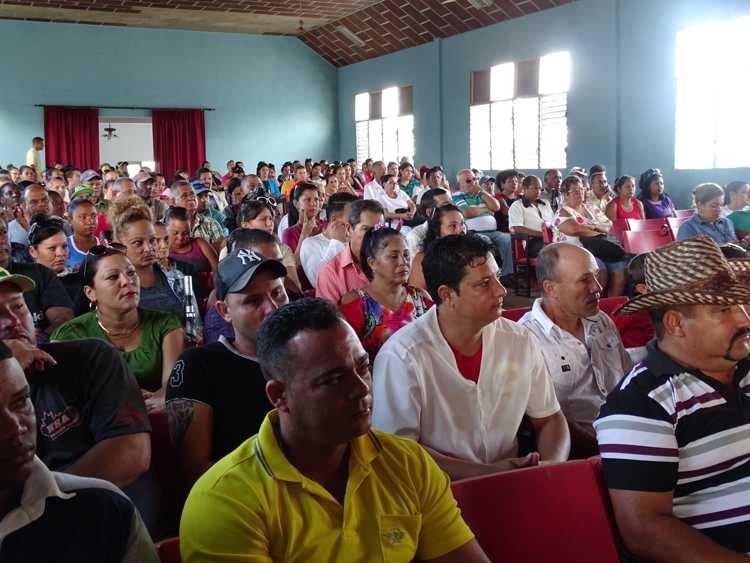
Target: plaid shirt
206 228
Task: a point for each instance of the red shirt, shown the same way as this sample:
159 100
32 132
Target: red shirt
469 366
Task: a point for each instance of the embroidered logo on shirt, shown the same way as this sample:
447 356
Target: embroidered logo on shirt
54 425
394 536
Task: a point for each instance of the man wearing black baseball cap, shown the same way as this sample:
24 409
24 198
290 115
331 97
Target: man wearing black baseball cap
216 395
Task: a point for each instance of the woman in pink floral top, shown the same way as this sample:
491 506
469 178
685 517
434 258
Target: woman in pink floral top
386 304
575 220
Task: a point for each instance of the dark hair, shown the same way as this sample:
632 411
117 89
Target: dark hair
447 258
657 316
527 180
43 227
362 205
732 188
90 263
385 177
620 182
337 203
250 209
24 167
428 199
260 165
246 238
283 325
550 172
76 203
434 223
201 171
372 243
597 169
644 182
37 140
175 213
299 189
232 185
404 165
503 175
636 270
434 169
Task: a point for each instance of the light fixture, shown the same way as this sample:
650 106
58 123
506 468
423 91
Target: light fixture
350 35
481 4
109 132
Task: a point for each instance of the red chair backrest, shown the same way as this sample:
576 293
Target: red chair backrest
547 513
515 314
169 550
609 304
687 213
646 224
519 250
618 227
636 242
675 222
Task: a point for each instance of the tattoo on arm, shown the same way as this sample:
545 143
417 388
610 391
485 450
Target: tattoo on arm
180 416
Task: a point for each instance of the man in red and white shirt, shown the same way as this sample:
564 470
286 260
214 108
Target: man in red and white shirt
460 378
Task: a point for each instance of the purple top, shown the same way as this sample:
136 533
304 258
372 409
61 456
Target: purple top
660 209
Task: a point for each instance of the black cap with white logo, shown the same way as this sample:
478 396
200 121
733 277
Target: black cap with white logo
238 268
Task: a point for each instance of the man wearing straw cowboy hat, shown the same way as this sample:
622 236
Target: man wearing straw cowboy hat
674 435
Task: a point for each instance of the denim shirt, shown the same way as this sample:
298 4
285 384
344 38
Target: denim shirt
722 231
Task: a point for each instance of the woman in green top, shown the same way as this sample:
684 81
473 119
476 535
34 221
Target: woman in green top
150 341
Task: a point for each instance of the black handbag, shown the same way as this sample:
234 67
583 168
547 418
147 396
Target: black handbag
605 248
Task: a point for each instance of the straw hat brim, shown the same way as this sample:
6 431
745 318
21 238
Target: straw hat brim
727 292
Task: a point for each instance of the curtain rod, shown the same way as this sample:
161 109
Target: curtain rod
123 107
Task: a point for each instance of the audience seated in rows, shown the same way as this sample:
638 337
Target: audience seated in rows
708 220
528 214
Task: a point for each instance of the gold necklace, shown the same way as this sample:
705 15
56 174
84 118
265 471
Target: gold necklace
111 334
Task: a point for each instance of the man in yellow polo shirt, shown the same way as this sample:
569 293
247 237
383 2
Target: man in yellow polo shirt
317 483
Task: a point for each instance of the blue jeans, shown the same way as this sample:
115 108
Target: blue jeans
504 247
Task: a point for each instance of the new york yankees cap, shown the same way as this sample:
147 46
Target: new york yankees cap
238 268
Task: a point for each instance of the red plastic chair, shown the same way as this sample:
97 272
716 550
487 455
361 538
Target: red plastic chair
637 242
646 224
169 550
618 227
674 224
548 513
609 304
165 463
546 233
686 213
515 314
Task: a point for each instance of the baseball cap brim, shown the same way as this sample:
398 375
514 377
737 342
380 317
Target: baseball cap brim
239 284
22 282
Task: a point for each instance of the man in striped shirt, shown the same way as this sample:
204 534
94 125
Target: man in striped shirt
674 435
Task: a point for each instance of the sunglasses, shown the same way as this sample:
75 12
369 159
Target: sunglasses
100 251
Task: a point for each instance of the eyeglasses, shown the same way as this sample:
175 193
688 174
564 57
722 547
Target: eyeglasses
100 251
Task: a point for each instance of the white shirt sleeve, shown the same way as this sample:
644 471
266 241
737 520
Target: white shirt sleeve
313 256
515 214
397 395
542 399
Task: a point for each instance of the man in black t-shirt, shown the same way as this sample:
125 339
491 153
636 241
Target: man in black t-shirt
216 395
50 517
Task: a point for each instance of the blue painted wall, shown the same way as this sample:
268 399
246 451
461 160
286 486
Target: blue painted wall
275 98
622 99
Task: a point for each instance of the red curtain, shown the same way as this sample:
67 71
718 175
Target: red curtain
71 136
179 140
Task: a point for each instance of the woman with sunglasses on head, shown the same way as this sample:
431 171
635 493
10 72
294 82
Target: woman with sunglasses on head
134 229
150 341
259 214
446 220
48 246
656 203
386 303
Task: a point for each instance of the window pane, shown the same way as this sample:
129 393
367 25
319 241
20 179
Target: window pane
553 134
695 123
526 132
406 137
362 107
390 139
390 102
502 81
479 136
363 141
375 138
501 135
554 73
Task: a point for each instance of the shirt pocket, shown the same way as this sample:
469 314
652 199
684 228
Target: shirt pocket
399 536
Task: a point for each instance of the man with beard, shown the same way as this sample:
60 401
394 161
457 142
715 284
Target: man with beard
673 435
582 349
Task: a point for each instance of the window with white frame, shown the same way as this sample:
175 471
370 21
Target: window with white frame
518 116
712 114
384 125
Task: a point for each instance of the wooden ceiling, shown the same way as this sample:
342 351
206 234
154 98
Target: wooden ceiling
383 27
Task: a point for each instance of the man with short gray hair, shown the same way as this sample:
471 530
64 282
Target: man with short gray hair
580 344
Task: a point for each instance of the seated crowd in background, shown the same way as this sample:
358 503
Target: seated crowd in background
273 319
